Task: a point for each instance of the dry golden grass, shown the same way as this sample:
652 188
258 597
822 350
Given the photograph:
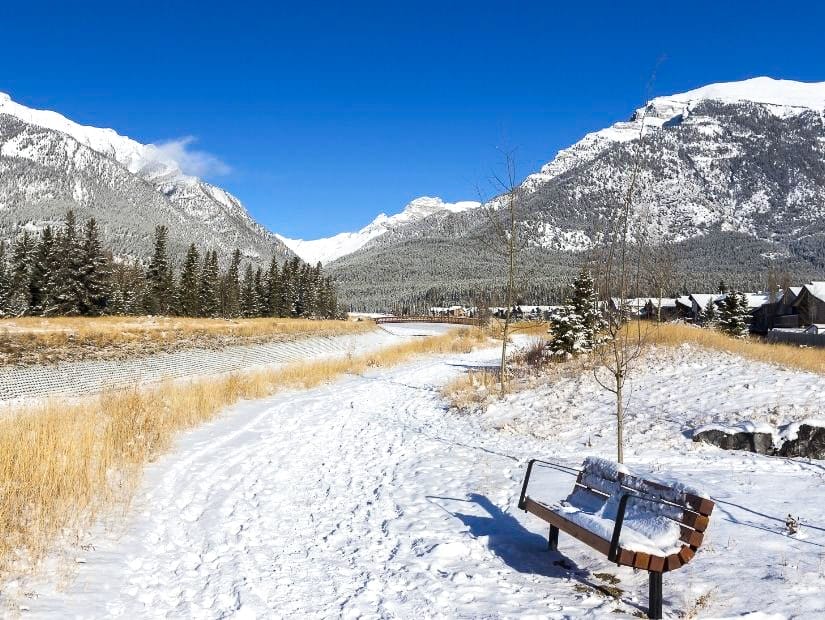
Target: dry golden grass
788 356
61 465
471 390
35 340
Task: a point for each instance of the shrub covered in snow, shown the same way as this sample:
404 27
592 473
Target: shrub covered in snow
577 325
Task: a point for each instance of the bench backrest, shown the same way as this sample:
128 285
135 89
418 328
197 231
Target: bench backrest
686 506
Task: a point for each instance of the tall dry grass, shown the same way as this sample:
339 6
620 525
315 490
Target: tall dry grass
35 339
788 356
61 465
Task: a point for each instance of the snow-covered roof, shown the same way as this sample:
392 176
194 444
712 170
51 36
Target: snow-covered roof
702 299
757 300
816 289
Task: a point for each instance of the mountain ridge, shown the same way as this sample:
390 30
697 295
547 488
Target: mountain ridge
726 168
51 164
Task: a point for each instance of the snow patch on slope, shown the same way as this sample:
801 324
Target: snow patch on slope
151 162
781 97
328 249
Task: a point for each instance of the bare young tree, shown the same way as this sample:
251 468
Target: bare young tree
619 269
509 237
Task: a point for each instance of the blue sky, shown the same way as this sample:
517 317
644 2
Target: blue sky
318 116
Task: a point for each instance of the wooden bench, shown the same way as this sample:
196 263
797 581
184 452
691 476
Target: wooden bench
635 521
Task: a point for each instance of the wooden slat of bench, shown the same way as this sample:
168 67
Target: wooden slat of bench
603 486
576 531
701 505
642 560
672 562
696 521
657 564
691 537
626 557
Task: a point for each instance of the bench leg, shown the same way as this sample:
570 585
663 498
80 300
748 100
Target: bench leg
553 539
655 603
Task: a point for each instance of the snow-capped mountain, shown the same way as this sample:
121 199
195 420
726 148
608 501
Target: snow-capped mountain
329 249
731 174
49 164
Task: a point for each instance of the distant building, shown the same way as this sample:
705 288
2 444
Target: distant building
810 304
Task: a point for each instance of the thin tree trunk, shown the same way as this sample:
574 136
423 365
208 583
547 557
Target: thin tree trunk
619 419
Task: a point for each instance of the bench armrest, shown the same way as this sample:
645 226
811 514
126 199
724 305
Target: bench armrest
613 554
530 463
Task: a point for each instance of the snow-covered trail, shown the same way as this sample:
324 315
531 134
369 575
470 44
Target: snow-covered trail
365 498
361 498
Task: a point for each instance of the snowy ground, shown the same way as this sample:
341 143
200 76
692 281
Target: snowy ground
367 498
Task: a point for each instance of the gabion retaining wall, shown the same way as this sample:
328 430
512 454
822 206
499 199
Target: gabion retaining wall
20 383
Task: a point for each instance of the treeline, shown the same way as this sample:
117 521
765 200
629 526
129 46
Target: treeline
66 271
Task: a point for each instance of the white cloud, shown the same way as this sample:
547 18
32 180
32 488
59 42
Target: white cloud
190 161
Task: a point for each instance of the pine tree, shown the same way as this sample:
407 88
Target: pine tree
159 282
568 332
273 288
42 277
188 297
294 300
248 293
127 285
734 315
260 293
328 302
576 327
5 282
69 280
19 301
95 273
232 286
709 317
208 297
286 300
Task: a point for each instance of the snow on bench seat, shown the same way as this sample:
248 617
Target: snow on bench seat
662 527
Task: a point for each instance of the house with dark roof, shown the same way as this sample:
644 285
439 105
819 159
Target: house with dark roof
810 303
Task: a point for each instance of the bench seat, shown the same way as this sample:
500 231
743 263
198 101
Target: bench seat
638 521
643 531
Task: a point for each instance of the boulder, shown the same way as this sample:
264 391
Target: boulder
759 442
809 442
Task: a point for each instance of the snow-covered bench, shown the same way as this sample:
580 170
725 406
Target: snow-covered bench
653 525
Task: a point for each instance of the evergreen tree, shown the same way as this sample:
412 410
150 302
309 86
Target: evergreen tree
94 273
709 315
208 297
5 282
159 282
734 315
21 258
260 293
41 280
232 286
69 288
188 297
286 300
127 286
273 288
327 301
576 327
293 290
248 293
